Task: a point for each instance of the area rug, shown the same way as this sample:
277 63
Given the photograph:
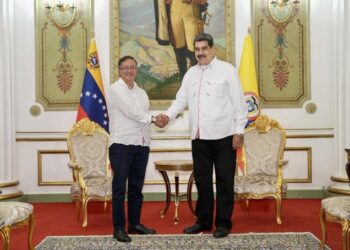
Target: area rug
261 241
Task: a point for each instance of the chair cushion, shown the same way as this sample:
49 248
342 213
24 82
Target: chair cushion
257 184
99 186
338 206
12 212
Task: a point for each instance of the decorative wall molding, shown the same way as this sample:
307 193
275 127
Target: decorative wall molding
282 45
62 36
308 178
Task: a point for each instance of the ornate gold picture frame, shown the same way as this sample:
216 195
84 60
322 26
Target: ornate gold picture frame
134 26
63 33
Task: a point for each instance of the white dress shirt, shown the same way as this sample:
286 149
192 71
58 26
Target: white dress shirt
129 115
215 100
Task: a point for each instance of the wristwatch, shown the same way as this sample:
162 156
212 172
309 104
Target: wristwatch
153 119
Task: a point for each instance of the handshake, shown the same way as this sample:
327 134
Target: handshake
161 120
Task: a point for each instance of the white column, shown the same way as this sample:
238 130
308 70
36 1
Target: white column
346 92
8 180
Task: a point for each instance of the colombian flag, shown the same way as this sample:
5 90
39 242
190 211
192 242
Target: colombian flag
247 75
92 97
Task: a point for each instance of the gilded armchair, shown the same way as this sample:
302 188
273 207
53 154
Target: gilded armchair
264 143
336 209
88 151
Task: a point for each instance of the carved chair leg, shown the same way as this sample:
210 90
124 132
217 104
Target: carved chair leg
347 236
5 233
345 231
278 209
84 207
31 231
323 227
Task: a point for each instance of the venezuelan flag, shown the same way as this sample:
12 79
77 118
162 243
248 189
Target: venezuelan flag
247 75
92 97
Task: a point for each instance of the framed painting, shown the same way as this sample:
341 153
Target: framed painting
63 31
147 30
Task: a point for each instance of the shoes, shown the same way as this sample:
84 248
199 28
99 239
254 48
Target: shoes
221 232
121 236
195 229
141 229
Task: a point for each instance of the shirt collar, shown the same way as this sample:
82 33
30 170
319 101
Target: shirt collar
208 66
126 85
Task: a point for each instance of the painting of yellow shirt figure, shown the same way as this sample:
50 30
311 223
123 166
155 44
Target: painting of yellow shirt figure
178 22
159 35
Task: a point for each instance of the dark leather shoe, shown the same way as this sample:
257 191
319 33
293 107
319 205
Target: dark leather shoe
121 236
221 232
141 229
195 229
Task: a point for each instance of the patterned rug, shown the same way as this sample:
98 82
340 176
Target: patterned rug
261 241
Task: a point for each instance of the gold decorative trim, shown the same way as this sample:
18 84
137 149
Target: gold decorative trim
160 138
42 182
179 131
309 165
167 150
115 9
339 179
33 139
9 184
8 196
319 136
40 139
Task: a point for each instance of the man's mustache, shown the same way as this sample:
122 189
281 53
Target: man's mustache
200 56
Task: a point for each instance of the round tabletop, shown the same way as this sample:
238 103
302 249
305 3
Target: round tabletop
174 165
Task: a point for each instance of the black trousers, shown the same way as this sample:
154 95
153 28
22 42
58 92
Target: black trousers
219 153
129 164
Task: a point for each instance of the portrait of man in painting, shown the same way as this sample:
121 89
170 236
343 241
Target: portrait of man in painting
160 33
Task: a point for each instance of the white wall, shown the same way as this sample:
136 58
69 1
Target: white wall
46 131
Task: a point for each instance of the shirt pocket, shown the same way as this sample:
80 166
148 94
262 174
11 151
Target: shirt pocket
219 88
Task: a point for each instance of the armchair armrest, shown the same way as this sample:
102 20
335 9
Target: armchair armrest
74 165
76 172
281 165
284 162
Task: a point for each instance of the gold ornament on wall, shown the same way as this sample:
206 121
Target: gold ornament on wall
311 108
35 110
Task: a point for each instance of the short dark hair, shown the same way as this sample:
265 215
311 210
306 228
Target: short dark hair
124 58
204 37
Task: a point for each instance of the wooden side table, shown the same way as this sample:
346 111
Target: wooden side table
175 165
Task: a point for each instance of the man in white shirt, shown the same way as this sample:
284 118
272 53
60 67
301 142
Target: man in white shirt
130 136
217 114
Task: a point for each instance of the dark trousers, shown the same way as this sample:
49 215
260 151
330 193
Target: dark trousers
129 164
205 153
